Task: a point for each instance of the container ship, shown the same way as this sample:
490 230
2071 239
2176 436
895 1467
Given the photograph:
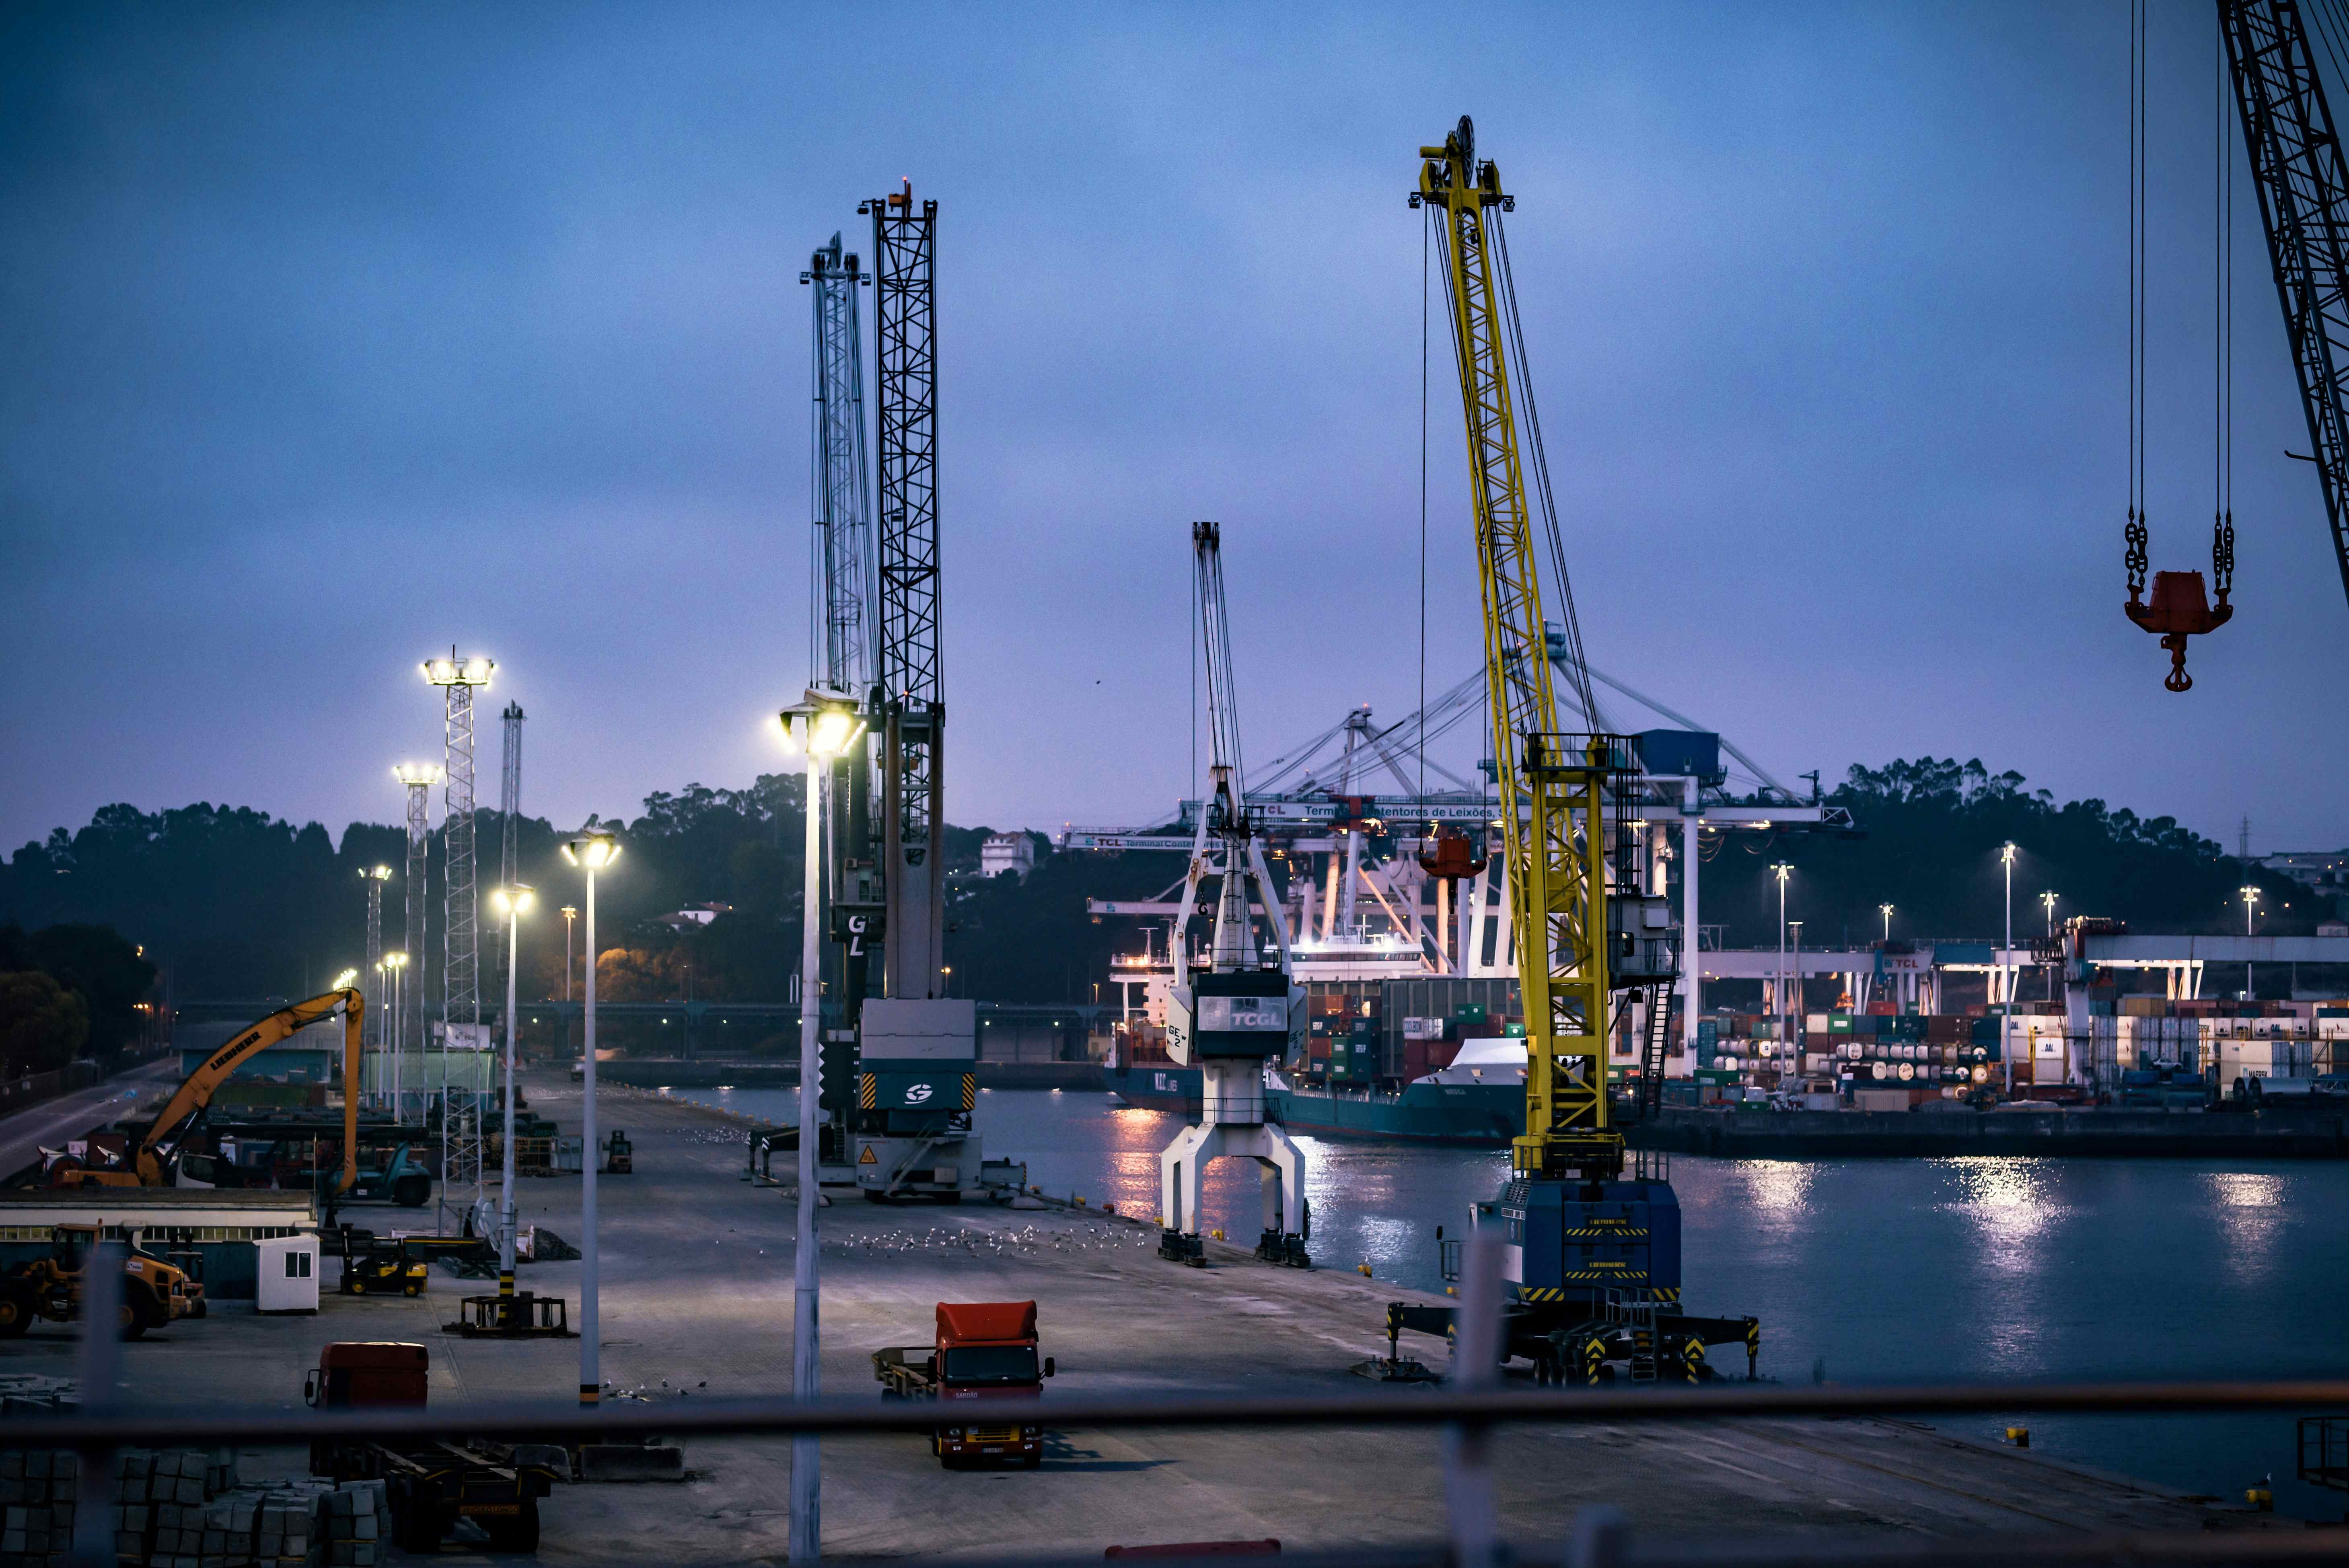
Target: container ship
1477 1101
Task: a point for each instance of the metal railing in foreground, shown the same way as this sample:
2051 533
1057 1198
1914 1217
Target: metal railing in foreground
215 1425
1467 1410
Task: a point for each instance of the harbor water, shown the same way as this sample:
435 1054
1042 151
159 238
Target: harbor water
1863 1270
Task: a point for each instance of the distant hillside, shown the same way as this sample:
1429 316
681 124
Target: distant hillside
233 902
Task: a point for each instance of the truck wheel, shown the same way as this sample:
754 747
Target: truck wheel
413 1288
17 1311
518 1533
132 1320
412 1191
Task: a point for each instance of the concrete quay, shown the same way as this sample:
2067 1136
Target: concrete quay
2316 1131
696 1301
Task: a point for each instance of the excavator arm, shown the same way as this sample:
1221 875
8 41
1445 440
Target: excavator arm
195 1095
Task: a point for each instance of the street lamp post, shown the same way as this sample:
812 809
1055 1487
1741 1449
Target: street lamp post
2006 972
1782 871
1797 1020
2048 898
397 962
2251 898
1886 909
821 726
592 850
510 902
569 914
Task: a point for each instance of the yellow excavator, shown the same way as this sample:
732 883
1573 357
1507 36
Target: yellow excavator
146 1164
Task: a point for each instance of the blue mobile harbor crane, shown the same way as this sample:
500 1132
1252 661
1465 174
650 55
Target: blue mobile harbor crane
1592 1255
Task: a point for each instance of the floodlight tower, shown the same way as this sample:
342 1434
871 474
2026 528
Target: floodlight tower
460 971
419 777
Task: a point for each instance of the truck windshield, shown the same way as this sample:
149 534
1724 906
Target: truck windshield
991 1363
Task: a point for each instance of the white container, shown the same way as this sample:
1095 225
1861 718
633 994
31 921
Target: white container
287 1274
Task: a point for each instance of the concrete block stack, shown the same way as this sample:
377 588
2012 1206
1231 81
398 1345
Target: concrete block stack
36 1507
357 1524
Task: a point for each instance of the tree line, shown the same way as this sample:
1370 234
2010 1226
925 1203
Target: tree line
232 902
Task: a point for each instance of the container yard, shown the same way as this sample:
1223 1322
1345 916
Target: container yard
701 1310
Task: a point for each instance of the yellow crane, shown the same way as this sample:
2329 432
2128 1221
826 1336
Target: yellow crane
1553 786
1592 1257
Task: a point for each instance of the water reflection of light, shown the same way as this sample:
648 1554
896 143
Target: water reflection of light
1781 1188
2251 1210
2007 1204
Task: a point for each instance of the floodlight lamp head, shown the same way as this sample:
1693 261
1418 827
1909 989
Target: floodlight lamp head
377 873
396 960
514 900
593 849
454 671
824 721
345 980
2006 852
413 774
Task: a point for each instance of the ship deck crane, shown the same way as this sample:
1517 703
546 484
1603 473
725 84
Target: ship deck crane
1229 1015
1594 1270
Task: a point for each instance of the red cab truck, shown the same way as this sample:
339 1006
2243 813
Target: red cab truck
984 1364
430 1484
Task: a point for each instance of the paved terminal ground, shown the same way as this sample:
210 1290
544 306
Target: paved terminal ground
696 1301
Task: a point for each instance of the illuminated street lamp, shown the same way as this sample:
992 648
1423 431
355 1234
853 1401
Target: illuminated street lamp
592 850
1782 871
508 902
2048 898
821 725
397 964
2250 900
1886 909
2006 972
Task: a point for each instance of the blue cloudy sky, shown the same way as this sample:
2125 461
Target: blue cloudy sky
335 335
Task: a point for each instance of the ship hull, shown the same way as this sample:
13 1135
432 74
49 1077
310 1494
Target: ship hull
1157 1087
1470 1115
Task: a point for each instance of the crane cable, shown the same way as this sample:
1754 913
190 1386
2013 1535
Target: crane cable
2136 533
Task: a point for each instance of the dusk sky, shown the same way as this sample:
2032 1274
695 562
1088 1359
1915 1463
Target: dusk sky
337 335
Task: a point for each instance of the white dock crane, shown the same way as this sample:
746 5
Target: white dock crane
1229 1016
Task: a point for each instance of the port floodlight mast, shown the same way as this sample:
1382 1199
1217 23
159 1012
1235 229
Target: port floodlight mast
460 970
1229 1016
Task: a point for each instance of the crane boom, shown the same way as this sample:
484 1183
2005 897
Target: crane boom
1552 786
2303 180
842 478
911 675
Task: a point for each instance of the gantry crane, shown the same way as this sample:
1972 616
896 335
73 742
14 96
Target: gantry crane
1229 1016
1595 1256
